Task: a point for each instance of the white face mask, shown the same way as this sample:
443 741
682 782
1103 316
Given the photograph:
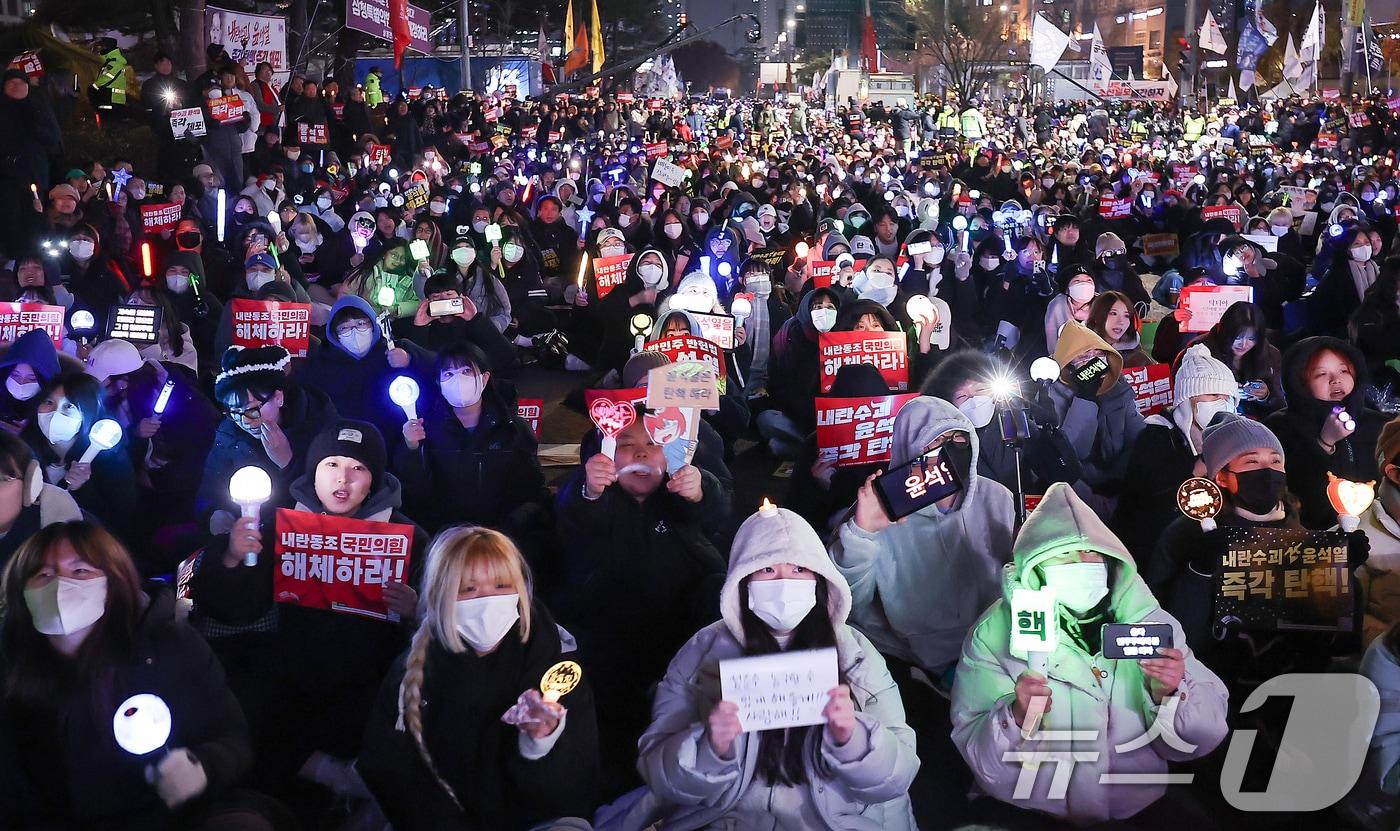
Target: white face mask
257 279
81 248
823 319
65 605
62 424
611 251
479 226
624 220
700 217
1361 253
979 410
323 203
935 255
782 604
879 279
1280 230
21 392
357 341
464 256
651 275
1081 292
437 208
461 389
177 283
990 263
484 621
760 286
672 229
1205 411
1078 586
512 252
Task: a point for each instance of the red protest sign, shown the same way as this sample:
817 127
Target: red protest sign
1207 304
1326 141
1230 212
858 431
28 63
654 104
18 318
226 108
1111 207
312 134
1152 387
159 217
555 136
610 272
531 409
631 395
656 150
336 563
623 97
887 351
820 272
272 322
479 147
379 154
724 142
688 348
528 133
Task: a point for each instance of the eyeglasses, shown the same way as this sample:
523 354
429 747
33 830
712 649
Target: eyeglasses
355 326
248 413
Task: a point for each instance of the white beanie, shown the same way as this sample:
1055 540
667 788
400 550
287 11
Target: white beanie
1200 373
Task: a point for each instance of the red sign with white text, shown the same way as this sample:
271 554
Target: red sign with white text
340 564
1230 212
531 409
18 318
686 348
610 272
160 217
858 431
226 108
887 351
1152 387
272 323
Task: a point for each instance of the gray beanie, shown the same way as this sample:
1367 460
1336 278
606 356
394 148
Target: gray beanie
1229 436
634 372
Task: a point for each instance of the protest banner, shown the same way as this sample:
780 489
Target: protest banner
29 63
379 154
331 562
415 196
188 122
555 136
717 328
635 396
686 348
784 689
18 318
656 150
1230 212
160 216
272 323
135 323
226 108
1152 387
1285 578
1135 90
623 97
887 351
693 385
1111 207
1326 141
1208 303
1161 245
724 142
820 271
532 411
372 18
675 429
858 431
250 40
312 134
610 272
668 174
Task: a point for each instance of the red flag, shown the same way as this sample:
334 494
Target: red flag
398 24
869 53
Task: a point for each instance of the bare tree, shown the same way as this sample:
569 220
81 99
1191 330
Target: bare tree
965 39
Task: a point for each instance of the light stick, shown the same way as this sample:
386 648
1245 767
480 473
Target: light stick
249 488
221 214
104 435
163 400
1034 631
1350 500
404 392
141 724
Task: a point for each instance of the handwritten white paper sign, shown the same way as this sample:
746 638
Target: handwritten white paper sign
785 689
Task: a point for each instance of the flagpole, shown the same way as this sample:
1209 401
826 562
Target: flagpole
464 33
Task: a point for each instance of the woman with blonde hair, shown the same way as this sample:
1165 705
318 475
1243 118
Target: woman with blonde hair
461 736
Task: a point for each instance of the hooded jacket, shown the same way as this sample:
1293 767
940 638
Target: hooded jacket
1114 707
1379 576
918 586
1299 424
690 787
1102 431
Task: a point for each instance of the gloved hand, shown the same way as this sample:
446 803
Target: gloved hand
1358 549
178 778
962 264
1089 389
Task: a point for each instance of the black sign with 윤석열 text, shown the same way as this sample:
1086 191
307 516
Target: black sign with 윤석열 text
1285 579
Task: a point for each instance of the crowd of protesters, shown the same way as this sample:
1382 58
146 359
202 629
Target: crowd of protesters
454 240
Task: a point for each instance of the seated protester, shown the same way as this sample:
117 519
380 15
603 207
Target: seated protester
518 269
820 491
1065 545
173 343
1112 318
876 282
37 281
261 277
1276 278
105 488
470 458
703 771
1373 797
917 586
731 420
558 244
636 296
1096 410
1352 271
1170 339
794 374
1114 272
479 283
720 254
1166 452
194 306
436 332
675 239
1377 577
354 366
27 502
1325 379
636 557
304 674
1240 341
30 362
426 230
168 450
1067 247
97 279
1076 294
395 270
936 274
79 638
271 420
322 261
769 311
481 649
1375 327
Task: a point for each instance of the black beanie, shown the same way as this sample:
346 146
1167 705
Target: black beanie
358 440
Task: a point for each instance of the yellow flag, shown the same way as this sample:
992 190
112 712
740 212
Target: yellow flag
597 45
569 29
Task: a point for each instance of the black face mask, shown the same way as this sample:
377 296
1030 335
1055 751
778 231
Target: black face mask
1259 491
187 240
959 456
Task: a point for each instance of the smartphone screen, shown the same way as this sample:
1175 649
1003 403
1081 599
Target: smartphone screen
1136 641
909 487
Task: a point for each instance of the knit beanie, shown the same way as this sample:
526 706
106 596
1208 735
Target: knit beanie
358 440
1201 373
1229 436
1108 242
634 372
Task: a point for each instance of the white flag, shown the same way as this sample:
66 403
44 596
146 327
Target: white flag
1172 86
1212 39
1099 67
1048 43
1230 92
1130 74
1292 66
1311 46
